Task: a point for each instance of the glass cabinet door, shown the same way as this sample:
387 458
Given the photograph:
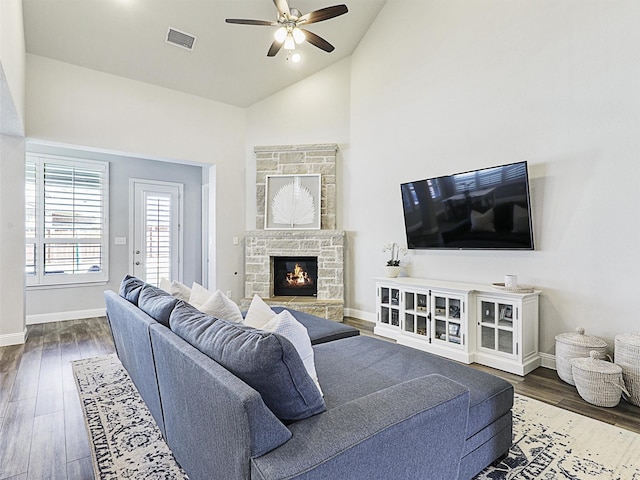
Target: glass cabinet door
497 320
389 306
447 321
415 313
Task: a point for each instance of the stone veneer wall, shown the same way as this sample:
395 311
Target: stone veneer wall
299 159
328 245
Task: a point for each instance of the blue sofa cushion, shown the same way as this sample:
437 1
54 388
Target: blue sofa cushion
156 303
130 288
265 361
381 364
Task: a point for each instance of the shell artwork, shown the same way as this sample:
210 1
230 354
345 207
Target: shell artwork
293 204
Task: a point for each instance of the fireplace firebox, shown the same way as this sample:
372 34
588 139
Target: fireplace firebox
295 276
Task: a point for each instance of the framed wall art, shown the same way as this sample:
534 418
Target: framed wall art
292 202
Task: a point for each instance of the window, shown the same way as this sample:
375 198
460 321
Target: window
66 220
464 182
158 237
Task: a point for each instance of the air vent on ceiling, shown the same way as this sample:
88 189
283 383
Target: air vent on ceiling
180 39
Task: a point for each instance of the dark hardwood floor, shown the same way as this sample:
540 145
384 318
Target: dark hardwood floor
42 432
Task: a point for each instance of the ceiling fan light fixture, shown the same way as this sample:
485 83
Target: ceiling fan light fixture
289 42
280 34
298 35
288 32
296 57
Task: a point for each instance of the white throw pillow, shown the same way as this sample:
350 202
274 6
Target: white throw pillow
198 295
180 291
286 325
165 284
220 306
259 313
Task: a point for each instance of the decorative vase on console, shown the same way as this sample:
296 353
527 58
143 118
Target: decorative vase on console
392 269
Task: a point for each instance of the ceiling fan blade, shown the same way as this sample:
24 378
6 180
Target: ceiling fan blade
322 14
274 49
243 21
318 41
283 7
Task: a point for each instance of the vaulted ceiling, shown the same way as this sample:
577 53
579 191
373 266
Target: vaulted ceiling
228 62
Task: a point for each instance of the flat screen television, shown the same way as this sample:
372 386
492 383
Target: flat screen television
488 208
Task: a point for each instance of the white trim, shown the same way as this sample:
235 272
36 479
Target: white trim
548 361
13 338
63 316
211 263
360 314
79 149
204 236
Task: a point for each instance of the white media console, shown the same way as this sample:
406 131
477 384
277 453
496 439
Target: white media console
464 322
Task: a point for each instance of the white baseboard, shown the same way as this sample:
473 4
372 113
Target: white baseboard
360 314
13 338
62 316
548 361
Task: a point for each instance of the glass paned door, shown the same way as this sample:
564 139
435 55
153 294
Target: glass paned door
415 313
156 225
497 326
447 319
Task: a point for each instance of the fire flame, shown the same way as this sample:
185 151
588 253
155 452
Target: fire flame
298 277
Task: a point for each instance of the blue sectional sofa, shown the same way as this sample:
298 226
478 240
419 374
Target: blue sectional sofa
388 412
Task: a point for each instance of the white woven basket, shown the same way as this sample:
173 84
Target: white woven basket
627 355
575 345
598 382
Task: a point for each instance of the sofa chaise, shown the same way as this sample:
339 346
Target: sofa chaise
386 411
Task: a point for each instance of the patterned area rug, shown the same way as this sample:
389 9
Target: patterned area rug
549 443
126 442
552 443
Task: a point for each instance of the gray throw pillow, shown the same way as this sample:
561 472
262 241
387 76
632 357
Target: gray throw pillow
190 320
130 288
157 303
265 361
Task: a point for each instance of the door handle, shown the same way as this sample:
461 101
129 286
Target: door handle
137 263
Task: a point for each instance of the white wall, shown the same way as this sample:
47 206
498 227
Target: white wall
12 68
476 84
71 105
12 316
12 78
483 83
315 110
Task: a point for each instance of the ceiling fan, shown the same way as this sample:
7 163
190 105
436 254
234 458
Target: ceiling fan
289 22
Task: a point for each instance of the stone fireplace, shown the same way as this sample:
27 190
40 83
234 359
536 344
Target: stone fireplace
263 247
